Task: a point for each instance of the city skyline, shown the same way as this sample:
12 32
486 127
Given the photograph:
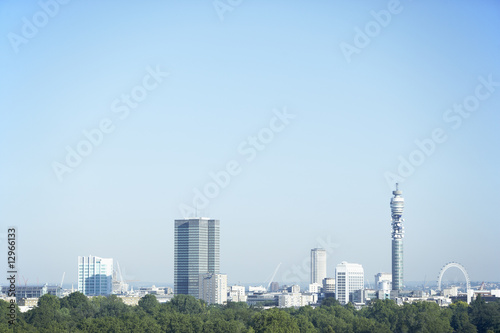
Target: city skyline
289 123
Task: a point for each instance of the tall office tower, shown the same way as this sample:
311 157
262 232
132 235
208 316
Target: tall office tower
397 205
213 288
318 265
349 278
196 252
95 276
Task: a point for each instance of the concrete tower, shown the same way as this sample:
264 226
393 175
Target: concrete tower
397 205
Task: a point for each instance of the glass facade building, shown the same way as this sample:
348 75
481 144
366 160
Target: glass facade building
196 252
95 276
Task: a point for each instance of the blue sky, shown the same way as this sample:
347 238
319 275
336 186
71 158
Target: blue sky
320 180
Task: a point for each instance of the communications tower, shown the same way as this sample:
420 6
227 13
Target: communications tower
397 205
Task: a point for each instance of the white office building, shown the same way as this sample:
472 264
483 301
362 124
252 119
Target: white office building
315 288
289 300
213 288
296 300
383 283
237 294
349 278
95 276
318 265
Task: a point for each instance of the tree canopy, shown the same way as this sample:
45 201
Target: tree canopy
77 313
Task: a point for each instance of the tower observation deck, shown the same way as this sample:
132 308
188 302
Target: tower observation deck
397 205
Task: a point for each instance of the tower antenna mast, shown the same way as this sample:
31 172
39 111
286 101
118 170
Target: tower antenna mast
397 206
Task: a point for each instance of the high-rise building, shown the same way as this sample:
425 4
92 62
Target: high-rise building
95 276
196 251
397 205
349 278
213 288
318 265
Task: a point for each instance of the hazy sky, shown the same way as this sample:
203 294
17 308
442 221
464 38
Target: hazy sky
116 115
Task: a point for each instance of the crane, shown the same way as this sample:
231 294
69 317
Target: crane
272 277
122 284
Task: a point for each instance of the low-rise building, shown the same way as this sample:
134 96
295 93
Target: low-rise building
154 290
130 300
29 302
288 300
363 296
267 299
34 291
329 287
258 289
237 294
315 288
165 298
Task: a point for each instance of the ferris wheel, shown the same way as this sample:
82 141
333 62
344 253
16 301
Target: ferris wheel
456 265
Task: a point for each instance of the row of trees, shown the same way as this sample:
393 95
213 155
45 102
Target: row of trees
77 313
